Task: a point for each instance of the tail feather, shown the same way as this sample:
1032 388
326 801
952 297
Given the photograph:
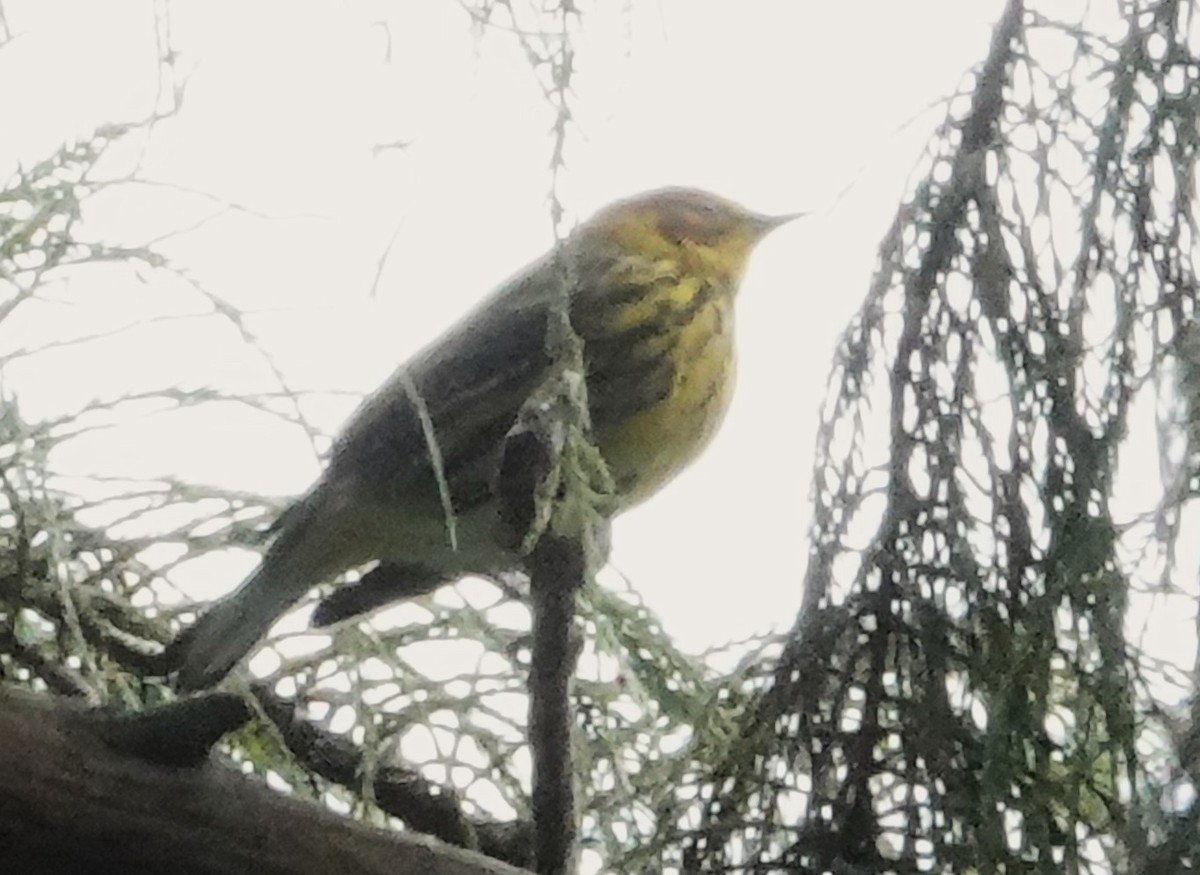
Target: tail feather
317 539
338 525
215 643
385 583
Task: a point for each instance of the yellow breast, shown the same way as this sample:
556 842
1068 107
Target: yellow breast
671 354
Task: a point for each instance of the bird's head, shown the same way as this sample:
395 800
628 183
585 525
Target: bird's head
709 234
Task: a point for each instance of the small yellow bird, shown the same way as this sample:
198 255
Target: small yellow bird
653 280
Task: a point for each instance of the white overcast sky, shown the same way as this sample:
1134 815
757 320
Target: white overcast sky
784 105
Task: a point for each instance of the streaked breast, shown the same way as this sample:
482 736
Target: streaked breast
661 372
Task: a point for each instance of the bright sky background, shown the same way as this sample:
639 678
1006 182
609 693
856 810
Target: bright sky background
783 105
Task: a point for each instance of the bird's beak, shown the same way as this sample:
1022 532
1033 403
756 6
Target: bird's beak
770 223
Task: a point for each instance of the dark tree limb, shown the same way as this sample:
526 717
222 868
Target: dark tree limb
178 734
557 567
401 792
552 484
78 796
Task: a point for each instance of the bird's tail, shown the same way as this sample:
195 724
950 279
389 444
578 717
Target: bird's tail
313 544
207 651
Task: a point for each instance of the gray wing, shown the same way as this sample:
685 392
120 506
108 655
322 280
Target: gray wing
471 382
